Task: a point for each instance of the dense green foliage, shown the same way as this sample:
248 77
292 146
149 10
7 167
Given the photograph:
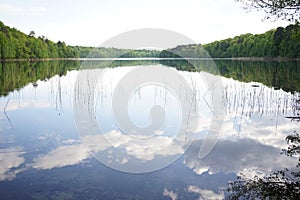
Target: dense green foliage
101 52
185 51
17 45
282 42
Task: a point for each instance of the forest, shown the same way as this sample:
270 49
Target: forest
17 45
280 42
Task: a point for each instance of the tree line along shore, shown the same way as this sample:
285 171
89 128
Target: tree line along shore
279 44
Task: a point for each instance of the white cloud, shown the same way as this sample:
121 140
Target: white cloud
169 193
205 194
8 9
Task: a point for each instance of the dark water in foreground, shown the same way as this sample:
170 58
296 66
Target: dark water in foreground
42 156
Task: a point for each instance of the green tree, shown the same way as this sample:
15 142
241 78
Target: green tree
284 42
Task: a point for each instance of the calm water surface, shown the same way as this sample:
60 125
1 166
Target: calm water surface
42 156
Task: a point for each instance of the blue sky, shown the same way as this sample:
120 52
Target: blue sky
91 22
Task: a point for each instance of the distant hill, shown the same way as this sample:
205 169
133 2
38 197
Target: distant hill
280 42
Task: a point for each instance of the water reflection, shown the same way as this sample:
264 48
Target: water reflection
204 193
16 75
10 161
282 75
39 143
246 156
137 149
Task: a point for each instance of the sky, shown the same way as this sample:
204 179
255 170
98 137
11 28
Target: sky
92 22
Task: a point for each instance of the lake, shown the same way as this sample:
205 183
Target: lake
80 129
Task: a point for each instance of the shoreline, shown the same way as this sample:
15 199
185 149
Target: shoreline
277 59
